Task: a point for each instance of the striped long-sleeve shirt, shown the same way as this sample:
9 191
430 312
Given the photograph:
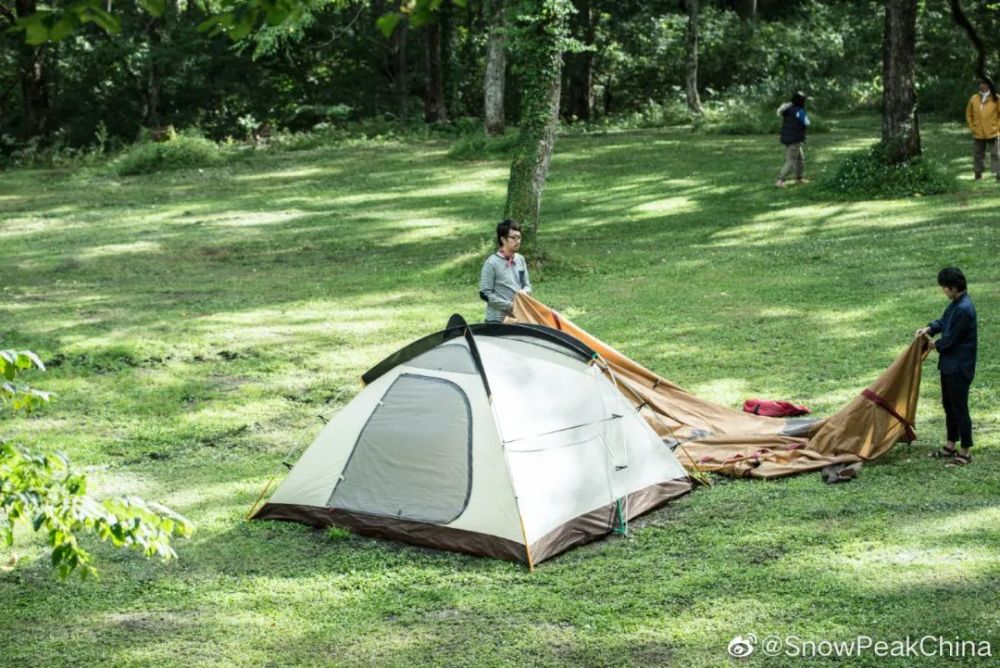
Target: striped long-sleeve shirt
499 281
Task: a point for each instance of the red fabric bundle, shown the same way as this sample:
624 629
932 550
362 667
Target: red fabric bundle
772 408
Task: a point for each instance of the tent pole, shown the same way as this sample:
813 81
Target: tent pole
527 547
253 508
270 482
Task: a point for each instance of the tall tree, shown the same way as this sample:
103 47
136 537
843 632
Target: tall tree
691 80
900 125
34 76
540 35
580 66
435 109
400 80
958 16
496 67
154 79
747 9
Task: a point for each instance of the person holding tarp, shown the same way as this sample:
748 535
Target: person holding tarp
957 362
504 273
714 438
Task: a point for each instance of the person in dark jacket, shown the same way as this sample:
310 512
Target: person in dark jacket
794 122
956 349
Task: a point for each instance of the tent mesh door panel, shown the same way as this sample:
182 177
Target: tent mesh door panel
413 459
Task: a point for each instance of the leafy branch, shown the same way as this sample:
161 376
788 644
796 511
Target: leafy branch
43 491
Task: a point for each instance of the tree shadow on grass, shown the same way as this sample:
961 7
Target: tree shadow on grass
691 575
193 285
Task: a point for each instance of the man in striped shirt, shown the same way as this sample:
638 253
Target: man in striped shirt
504 274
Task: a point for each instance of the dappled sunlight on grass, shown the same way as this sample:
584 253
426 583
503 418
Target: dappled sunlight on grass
253 219
669 205
267 177
136 247
976 523
800 224
198 333
725 391
948 549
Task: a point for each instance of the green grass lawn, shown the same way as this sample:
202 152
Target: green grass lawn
196 324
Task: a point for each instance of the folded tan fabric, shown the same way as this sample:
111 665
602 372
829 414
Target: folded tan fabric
711 437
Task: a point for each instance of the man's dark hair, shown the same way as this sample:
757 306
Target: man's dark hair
504 228
952 277
799 99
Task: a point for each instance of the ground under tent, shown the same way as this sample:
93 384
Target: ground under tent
710 437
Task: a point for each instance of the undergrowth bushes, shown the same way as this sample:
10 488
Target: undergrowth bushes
868 174
479 146
179 152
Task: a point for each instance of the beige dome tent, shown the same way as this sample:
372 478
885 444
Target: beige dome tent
498 440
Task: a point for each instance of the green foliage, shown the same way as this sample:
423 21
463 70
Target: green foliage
869 174
19 397
238 19
308 116
736 117
41 490
739 116
370 131
181 152
47 25
37 153
652 114
418 12
324 55
479 146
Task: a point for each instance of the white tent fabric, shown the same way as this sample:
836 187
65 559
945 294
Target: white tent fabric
490 439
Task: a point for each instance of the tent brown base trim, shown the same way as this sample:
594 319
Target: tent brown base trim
583 529
405 531
601 522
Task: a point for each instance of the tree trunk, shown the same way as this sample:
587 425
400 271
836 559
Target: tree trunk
900 126
400 82
541 38
691 81
153 86
380 59
580 66
434 106
34 80
746 9
496 65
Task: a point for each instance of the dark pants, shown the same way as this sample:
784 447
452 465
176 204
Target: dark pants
955 397
979 148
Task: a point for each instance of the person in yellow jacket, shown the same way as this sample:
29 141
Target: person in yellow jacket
983 115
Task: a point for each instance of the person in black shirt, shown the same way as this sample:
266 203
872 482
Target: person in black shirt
956 348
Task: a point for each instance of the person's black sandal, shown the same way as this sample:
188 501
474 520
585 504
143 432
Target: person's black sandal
960 460
943 453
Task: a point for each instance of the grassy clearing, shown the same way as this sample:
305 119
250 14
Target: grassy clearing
196 324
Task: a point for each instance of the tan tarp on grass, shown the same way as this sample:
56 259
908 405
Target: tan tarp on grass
714 438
